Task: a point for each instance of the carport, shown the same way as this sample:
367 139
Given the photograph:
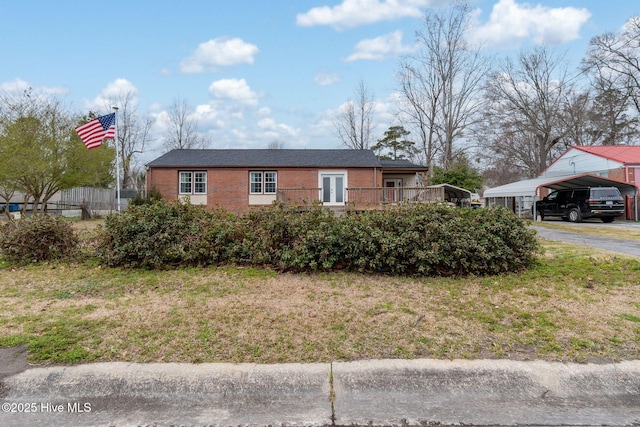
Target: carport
521 196
453 194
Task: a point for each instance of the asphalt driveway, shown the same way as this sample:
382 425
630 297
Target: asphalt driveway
624 246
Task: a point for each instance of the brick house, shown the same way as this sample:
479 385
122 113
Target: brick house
239 180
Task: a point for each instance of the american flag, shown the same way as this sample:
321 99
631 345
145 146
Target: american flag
97 130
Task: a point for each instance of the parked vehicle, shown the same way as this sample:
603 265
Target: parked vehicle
577 204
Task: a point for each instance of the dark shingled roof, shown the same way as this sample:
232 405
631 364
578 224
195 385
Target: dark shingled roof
266 158
401 164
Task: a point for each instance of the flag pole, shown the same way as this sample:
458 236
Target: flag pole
117 159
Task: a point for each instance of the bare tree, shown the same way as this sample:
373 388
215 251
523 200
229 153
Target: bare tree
618 55
276 144
421 94
183 127
133 134
613 119
442 82
523 120
601 115
354 123
578 118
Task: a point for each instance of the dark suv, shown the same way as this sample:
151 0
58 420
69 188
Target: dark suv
577 204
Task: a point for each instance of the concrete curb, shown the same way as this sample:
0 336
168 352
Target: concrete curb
122 394
486 392
375 392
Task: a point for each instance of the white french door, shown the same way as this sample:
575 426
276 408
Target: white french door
332 189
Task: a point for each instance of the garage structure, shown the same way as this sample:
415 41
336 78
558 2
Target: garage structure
579 166
521 196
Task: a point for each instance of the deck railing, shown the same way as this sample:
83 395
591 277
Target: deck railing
365 197
298 196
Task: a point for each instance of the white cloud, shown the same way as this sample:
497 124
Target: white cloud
273 129
209 117
15 86
326 79
161 121
112 92
353 13
511 23
19 85
267 123
378 48
233 118
155 106
264 112
234 90
216 53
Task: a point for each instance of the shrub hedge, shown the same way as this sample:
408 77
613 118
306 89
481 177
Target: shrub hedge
38 238
406 240
158 234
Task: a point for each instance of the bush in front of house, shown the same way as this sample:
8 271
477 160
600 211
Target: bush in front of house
38 238
437 240
406 240
160 234
286 238
152 196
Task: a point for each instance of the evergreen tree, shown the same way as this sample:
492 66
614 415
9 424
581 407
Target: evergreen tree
394 146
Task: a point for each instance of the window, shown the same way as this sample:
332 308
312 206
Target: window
192 182
263 182
256 182
269 182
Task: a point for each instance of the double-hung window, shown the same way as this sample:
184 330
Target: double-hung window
263 182
193 182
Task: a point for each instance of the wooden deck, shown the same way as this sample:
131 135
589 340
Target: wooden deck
363 198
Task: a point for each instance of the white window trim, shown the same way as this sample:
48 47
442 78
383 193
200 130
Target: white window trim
262 181
192 173
345 174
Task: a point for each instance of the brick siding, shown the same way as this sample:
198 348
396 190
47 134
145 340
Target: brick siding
229 187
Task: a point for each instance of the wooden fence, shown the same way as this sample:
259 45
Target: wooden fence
100 199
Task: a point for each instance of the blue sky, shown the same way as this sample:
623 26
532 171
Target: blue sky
253 70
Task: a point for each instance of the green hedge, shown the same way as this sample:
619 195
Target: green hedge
158 234
406 240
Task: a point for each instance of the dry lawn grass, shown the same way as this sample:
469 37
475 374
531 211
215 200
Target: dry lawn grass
572 306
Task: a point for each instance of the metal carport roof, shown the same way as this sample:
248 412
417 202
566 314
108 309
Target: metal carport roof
453 192
531 187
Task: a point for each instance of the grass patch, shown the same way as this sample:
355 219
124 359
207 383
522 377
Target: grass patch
573 305
630 318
